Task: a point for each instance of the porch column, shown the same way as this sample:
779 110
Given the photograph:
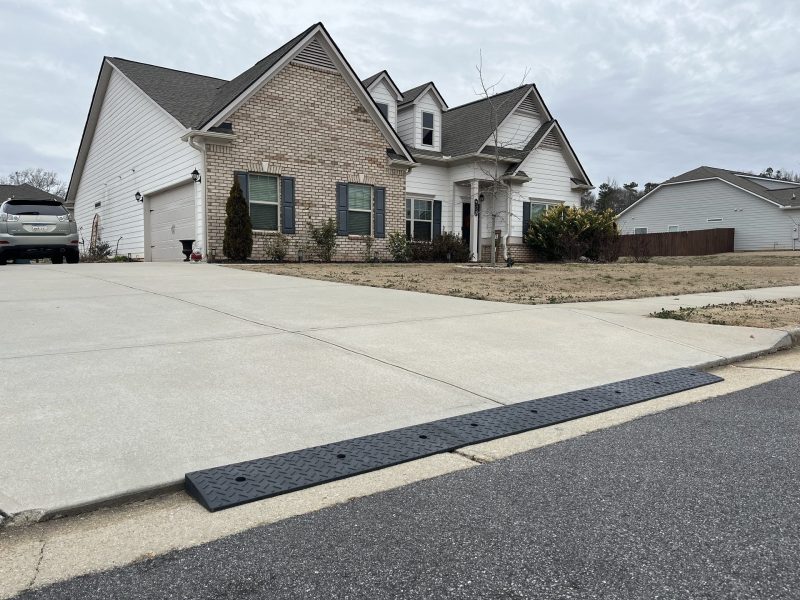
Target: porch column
474 232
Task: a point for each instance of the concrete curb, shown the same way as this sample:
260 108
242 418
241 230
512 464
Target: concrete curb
790 339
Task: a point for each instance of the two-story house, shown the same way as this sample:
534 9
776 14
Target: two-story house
308 141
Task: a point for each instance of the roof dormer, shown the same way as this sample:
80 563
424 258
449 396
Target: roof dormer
385 94
420 117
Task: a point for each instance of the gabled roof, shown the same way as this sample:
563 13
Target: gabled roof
369 81
466 128
785 198
410 96
25 191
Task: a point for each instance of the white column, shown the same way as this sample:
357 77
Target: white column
474 232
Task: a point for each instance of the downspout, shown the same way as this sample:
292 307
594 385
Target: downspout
202 150
506 253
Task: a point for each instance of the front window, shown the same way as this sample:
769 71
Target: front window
263 197
538 209
427 129
359 209
384 108
419 219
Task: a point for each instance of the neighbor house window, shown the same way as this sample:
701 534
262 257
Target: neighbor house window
419 219
263 197
672 229
639 230
384 108
359 209
427 129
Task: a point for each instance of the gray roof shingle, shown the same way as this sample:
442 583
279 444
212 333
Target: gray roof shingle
784 197
25 191
194 99
466 128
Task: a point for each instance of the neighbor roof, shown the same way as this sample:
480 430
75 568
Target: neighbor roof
785 197
26 191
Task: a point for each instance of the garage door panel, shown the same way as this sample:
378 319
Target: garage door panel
171 219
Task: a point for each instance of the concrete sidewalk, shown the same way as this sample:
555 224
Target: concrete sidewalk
122 377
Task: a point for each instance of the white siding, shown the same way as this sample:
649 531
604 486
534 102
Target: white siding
427 103
759 225
550 180
430 180
381 92
516 130
405 124
136 147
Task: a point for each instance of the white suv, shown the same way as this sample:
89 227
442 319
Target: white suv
37 229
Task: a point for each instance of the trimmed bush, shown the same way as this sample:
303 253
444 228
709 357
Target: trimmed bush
324 240
238 241
399 247
277 247
569 233
450 247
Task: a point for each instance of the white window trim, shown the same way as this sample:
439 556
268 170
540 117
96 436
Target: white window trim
432 128
371 205
277 203
412 220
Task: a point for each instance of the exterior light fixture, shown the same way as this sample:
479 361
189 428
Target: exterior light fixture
196 176
138 197
478 201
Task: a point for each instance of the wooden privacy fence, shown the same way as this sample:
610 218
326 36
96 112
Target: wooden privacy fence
679 243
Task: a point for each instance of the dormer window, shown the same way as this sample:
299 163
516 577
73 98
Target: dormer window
384 108
427 129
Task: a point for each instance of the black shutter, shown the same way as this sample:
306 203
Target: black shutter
241 176
437 218
380 212
287 204
526 218
341 208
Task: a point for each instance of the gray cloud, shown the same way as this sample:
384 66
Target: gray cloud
644 89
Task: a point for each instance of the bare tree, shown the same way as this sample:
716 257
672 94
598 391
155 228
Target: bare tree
48 181
496 169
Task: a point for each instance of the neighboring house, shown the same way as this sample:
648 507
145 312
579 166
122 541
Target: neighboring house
764 212
26 191
308 141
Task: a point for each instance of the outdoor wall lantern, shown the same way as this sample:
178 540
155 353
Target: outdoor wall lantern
138 197
478 201
196 176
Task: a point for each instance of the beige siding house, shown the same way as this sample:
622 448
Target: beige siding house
309 141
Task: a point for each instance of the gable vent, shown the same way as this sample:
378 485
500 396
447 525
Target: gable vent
528 105
314 54
550 142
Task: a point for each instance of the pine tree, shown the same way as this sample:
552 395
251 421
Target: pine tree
238 241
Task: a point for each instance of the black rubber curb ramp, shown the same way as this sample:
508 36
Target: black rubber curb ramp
231 485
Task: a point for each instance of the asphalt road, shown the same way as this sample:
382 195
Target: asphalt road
697 502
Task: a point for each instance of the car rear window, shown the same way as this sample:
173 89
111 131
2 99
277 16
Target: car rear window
39 207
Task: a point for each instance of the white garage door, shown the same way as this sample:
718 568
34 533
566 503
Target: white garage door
171 219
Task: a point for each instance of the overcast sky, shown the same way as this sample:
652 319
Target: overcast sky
643 89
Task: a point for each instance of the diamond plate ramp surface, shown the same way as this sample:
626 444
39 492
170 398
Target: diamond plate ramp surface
231 485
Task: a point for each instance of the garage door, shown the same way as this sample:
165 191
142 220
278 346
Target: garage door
171 219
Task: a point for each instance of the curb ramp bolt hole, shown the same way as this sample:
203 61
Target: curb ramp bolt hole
533 410
657 382
617 392
340 455
473 424
423 437
585 399
240 478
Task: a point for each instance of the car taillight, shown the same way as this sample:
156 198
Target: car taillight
74 242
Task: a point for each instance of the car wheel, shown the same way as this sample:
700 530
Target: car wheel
3 261
73 257
57 260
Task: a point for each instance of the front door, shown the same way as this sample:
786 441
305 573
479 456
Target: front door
466 218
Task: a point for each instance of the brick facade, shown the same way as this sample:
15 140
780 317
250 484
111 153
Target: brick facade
521 253
305 123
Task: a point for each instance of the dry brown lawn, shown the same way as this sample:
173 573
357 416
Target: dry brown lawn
562 282
775 314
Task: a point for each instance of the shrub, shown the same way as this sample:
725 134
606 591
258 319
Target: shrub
568 233
324 239
277 247
238 241
399 247
100 252
369 255
450 247
420 251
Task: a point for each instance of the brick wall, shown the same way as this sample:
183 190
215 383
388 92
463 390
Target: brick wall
519 252
308 124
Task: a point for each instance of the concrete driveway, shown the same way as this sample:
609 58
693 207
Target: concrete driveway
120 378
